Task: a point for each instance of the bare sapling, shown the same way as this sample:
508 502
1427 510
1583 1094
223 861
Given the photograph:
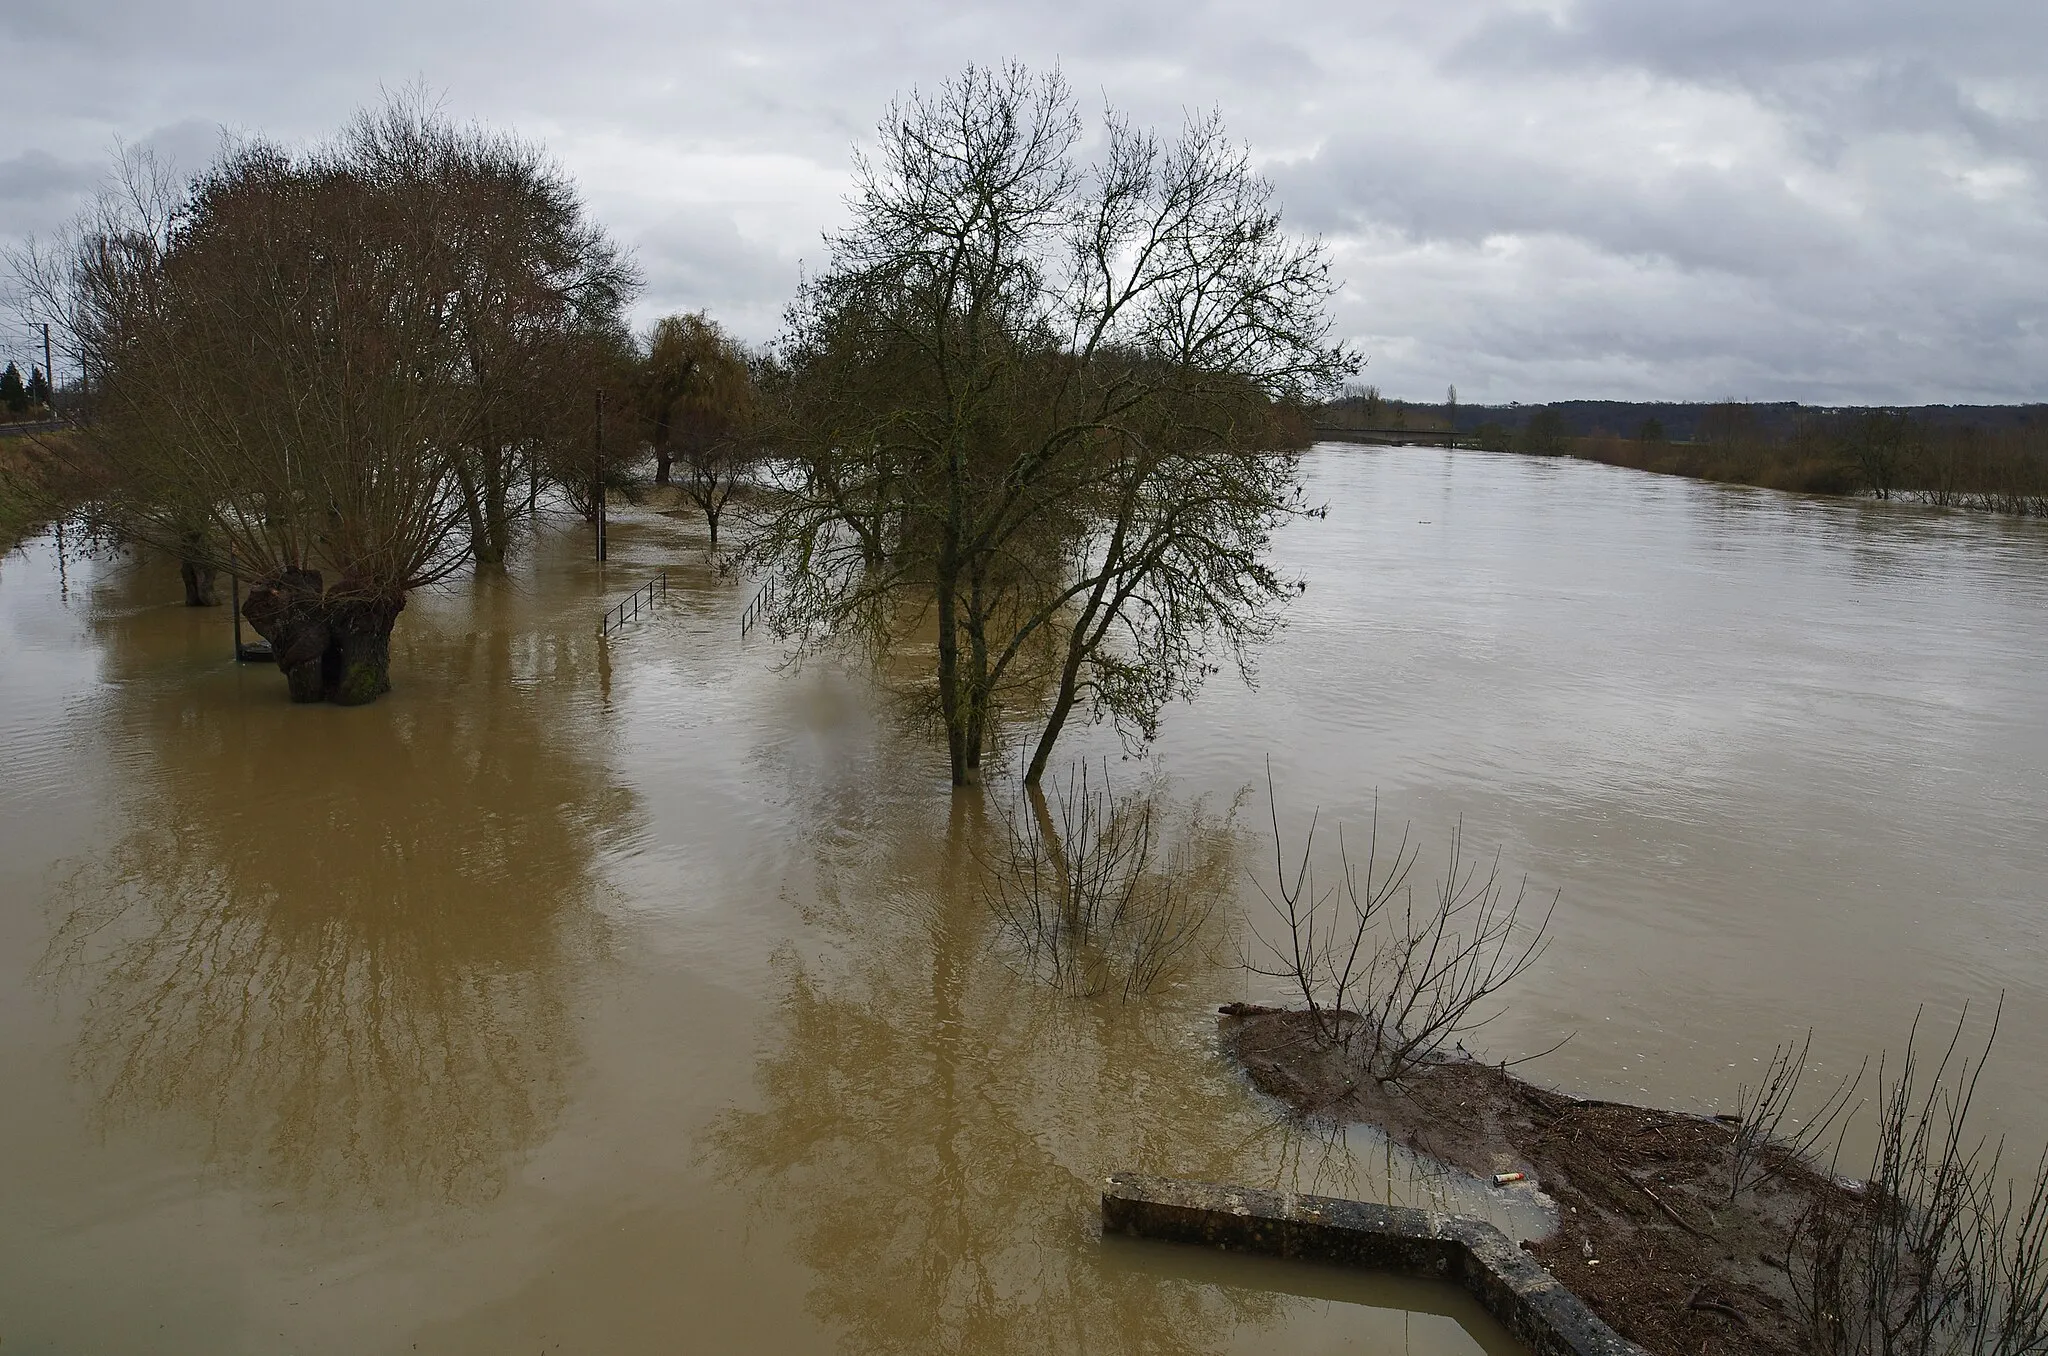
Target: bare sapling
1937 1254
1089 894
1761 1150
1394 979
1325 955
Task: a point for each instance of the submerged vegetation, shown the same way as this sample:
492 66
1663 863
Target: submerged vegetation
336 369
1033 408
1993 459
1687 1233
1887 454
1390 982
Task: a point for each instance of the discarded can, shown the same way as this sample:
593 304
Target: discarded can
1504 1178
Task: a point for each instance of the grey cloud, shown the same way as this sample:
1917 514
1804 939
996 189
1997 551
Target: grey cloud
1737 220
1828 199
1719 40
33 179
700 260
1838 64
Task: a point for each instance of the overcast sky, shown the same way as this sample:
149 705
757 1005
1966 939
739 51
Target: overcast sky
1834 201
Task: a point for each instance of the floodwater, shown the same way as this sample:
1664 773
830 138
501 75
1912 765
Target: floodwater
644 995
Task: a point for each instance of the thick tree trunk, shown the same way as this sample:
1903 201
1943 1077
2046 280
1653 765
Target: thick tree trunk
288 612
332 650
357 665
664 456
199 580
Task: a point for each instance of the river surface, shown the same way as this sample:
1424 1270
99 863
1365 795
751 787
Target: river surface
644 995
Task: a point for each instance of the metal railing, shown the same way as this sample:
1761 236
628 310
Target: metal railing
627 609
758 607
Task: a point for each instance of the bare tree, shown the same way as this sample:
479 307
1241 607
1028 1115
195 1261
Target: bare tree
1938 1254
1880 443
112 250
1393 981
285 366
1761 1150
539 301
1030 403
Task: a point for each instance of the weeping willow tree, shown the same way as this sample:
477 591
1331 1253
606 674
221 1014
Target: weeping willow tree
695 394
318 367
1041 405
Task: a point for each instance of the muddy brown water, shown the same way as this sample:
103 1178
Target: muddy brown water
641 995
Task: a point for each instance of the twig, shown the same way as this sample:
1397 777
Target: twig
1699 1301
1655 1199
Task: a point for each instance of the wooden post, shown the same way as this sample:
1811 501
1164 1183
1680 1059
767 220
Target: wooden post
235 606
598 488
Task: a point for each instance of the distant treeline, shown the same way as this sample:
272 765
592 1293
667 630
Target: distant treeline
1991 457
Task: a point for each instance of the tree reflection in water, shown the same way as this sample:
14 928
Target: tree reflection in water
342 949
937 1127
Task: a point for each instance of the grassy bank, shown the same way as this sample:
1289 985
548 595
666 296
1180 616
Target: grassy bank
35 472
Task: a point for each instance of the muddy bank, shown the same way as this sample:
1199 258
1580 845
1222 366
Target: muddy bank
1647 1233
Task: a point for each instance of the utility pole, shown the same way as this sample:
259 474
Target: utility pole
597 488
49 372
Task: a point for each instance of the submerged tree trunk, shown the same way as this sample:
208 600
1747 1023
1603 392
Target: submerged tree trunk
193 569
664 455
497 490
486 488
199 580
329 649
1069 689
357 665
978 695
949 681
287 612
1056 854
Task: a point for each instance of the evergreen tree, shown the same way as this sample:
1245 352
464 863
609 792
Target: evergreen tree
12 393
38 387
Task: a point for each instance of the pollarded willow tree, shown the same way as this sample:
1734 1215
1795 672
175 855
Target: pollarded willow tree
1045 405
323 369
